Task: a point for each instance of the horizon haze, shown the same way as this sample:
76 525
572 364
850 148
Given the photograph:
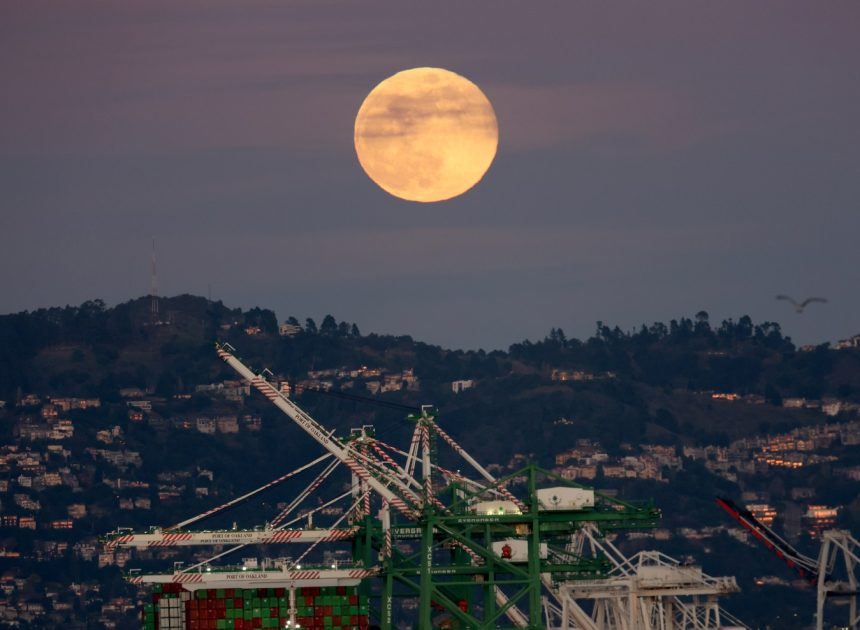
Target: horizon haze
653 161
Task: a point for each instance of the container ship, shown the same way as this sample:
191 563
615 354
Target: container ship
173 607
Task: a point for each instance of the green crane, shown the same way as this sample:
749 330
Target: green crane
476 554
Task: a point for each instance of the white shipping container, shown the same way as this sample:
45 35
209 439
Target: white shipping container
562 498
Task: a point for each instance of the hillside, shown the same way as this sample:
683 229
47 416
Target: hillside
678 412
619 387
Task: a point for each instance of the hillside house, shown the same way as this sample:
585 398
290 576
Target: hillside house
462 385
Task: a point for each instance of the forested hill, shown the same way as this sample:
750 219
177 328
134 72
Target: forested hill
620 386
737 356
134 421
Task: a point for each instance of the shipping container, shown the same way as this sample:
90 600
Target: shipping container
317 608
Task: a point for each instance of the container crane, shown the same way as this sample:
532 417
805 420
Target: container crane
803 565
469 549
825 573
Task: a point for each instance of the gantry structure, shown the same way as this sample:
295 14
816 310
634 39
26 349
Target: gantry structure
835 573
527 550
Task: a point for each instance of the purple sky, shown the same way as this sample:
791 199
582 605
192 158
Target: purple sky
655 159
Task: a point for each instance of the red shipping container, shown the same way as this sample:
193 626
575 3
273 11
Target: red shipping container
309 600
280 591
237 603
341 590
353 600
273 612
229 592
238 623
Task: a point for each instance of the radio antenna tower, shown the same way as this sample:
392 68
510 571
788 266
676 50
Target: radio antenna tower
153 291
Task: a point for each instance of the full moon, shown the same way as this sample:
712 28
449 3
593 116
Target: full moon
426 134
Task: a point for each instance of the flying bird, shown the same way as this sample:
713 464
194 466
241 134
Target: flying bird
799 306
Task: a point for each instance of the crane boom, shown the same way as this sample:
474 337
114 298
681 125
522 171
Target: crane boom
805 566
232 537
254 578
343 453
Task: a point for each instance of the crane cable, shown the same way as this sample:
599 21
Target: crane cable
363 399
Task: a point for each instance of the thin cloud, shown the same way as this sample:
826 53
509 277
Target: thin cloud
537 117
